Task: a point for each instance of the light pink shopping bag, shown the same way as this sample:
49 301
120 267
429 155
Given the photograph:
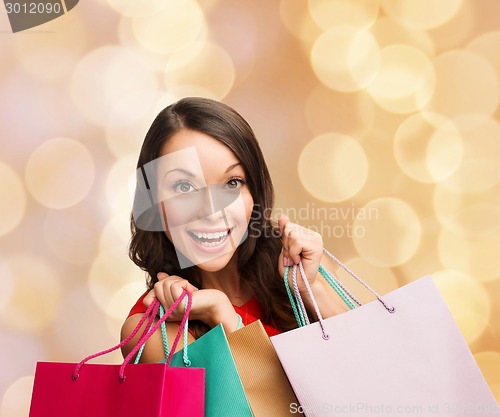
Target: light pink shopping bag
400 355
126 390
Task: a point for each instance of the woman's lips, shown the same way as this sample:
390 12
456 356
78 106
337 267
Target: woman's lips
210 240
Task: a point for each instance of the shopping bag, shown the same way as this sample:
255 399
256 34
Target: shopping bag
402 354
224 394
126 390
266 385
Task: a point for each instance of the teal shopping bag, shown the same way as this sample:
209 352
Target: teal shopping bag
224 393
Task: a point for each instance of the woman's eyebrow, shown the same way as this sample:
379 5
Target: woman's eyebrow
232 167
184 171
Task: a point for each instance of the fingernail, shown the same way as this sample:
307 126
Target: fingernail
288 263
284 261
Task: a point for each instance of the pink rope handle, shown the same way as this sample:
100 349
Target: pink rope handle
149 315
145 337
150 312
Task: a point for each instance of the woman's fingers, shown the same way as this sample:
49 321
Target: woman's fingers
293 238
287 234
168 289
300 244
149 298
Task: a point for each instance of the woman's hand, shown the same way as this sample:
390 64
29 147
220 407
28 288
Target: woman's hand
300 243
303 244
209 306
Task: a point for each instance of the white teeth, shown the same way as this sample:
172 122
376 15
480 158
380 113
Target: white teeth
219 236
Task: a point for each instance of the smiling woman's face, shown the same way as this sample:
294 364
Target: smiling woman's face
205 202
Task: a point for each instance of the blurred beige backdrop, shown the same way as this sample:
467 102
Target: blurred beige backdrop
379 121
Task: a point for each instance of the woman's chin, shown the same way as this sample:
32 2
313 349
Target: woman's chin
215 264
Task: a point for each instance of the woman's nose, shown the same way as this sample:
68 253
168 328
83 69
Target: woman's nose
215 198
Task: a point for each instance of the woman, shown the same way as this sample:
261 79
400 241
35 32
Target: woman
201 223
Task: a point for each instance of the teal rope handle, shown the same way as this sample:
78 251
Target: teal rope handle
338 289
164 333
299 317
300 303
139 354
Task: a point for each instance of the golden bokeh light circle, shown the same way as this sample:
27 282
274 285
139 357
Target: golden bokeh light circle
345 58
120 184
100 81
467 300
428 147
478 170
388 232
203 64
386 30
487 45
132 8
12 199
6 284
446 203
16 398
421 14
466 83
298 21
405 73
56 59
469 242
171 28
128 122
127 39
356 13
60 173
35 293
333 167
116 232
109 272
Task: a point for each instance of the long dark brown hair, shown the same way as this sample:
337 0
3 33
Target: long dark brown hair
257 256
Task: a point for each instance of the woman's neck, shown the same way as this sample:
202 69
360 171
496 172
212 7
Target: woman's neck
228 281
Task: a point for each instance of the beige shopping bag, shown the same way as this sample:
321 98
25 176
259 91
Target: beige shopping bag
266 385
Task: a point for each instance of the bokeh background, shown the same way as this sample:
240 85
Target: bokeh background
379 121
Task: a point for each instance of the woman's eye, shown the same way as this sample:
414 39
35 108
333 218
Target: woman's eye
234 183
183 187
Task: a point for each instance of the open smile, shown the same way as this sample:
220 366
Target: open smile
210 239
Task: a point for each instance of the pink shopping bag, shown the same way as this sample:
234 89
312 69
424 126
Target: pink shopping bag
400 355
126 390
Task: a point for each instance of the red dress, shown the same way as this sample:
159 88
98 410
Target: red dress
249 312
